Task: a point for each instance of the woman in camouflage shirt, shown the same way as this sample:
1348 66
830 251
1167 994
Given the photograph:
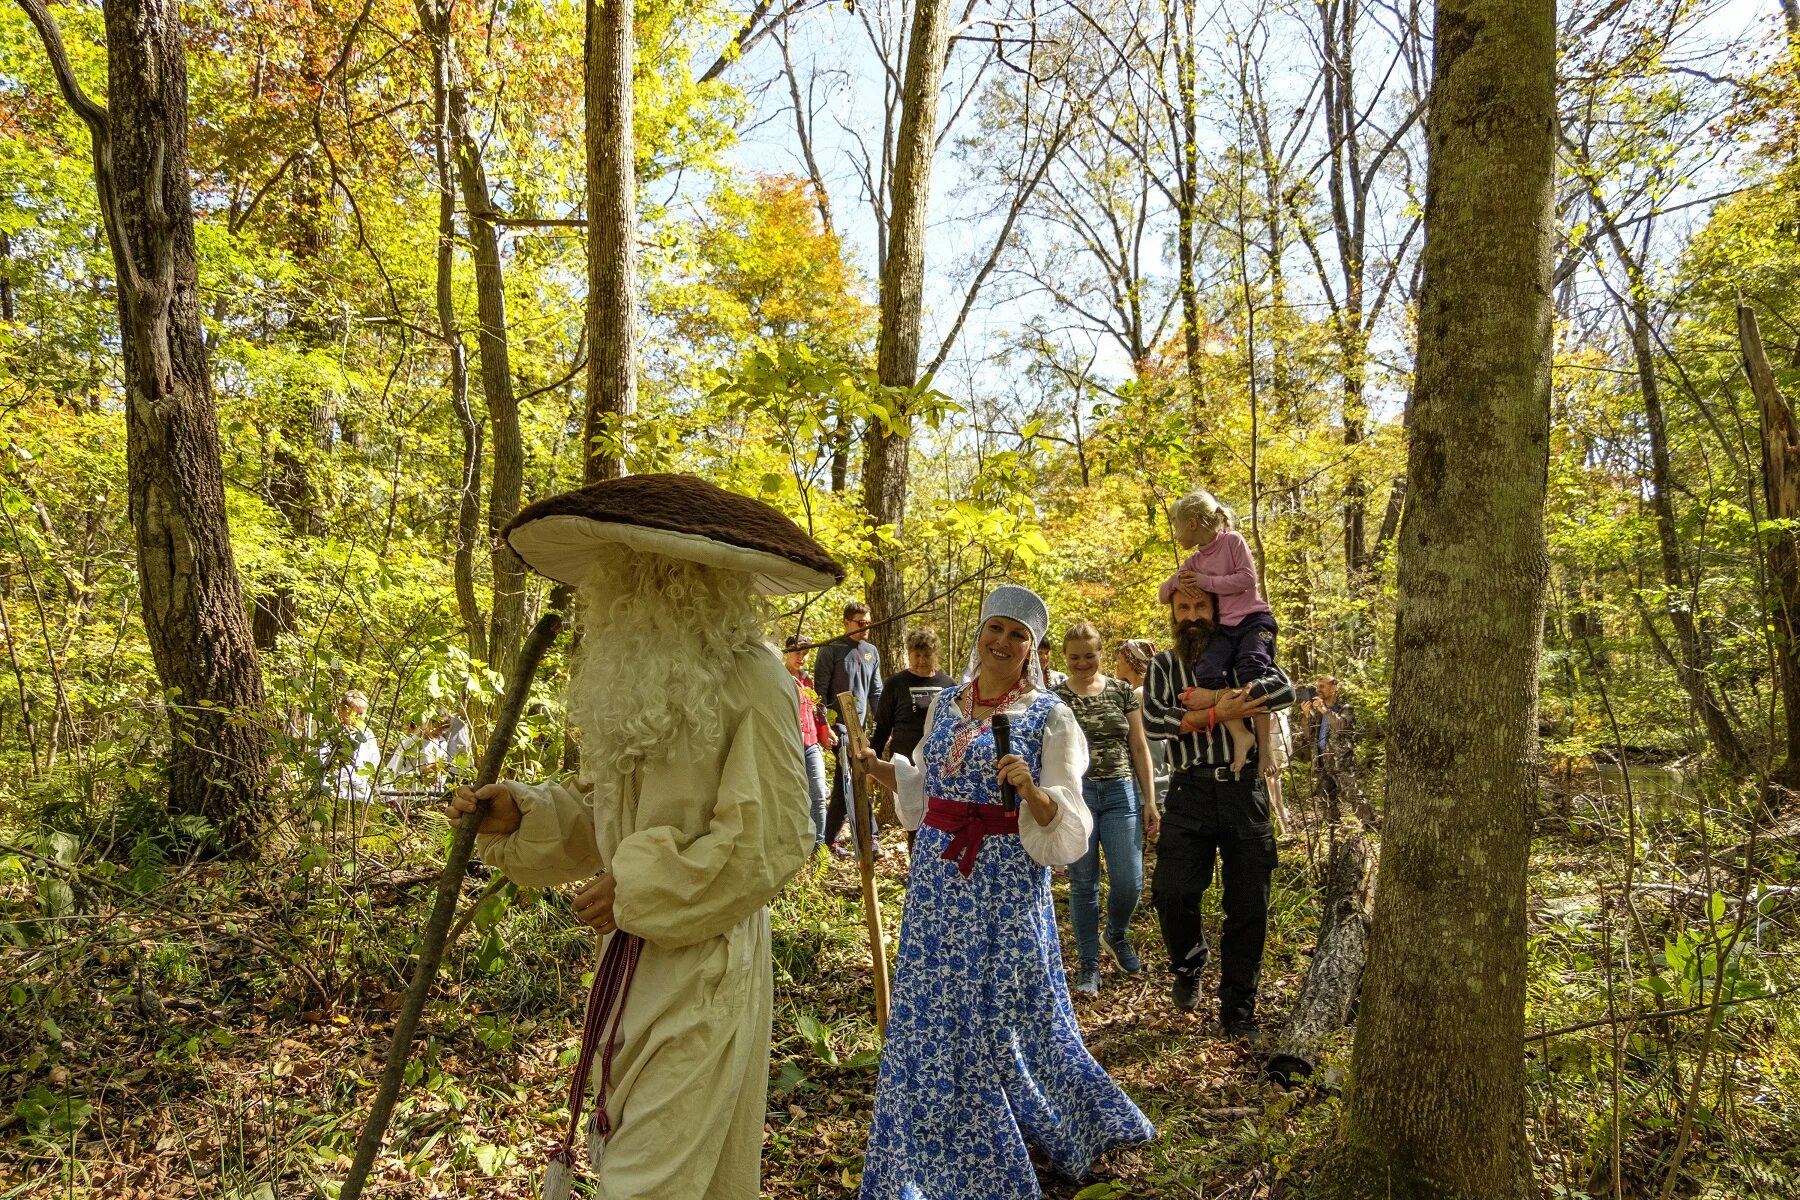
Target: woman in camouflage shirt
1118 789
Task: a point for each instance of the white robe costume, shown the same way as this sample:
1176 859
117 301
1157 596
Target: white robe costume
699 841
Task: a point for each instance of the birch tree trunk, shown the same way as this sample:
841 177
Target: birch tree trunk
1437 1107
612 239
193 600
885 466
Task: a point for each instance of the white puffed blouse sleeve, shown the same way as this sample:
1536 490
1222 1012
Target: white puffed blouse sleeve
909 781
1061 764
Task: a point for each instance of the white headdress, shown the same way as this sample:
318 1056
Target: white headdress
1019 604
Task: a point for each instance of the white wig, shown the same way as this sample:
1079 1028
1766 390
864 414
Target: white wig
658 637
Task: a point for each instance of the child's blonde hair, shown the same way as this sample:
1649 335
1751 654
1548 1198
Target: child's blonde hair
1204 511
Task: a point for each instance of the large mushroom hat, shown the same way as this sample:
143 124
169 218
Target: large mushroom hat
679 516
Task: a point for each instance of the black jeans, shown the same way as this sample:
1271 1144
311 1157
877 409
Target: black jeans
1203 819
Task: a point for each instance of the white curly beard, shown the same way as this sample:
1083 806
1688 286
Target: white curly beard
658 636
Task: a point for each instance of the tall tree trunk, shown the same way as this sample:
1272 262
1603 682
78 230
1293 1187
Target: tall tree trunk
1185 121
468 496
885 464
1348 191
507 617
1437 1109
193 606
1690 664
843 434
6 286
1781 496
287 482
612 239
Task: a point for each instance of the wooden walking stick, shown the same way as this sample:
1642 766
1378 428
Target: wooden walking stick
456 863
855 742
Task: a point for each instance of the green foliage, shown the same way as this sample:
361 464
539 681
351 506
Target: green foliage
317 208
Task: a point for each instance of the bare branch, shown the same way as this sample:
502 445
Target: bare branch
92 115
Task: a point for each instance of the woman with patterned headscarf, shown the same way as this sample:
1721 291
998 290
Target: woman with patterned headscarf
1131 664
983 1058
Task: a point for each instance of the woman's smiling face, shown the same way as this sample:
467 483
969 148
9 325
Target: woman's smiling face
1006 646
1081 656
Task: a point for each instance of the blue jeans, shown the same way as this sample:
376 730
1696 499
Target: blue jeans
816 790
1119 831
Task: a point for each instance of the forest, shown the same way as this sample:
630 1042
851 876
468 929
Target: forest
1483 317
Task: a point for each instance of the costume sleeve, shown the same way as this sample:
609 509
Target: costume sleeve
1162 704
673 891
1061 764
909 780
554 842
1239 574
1165 595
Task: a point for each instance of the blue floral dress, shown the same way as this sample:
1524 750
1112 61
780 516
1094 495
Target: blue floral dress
983 1056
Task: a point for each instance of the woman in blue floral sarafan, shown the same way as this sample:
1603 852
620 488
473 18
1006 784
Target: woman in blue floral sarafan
983 1057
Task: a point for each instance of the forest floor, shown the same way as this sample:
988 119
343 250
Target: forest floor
171 1029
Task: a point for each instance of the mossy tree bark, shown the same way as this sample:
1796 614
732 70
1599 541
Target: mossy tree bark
612 238
1437 1101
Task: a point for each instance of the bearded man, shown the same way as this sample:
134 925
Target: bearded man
690 814
1211 813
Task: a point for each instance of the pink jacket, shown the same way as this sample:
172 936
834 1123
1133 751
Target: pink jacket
1227 572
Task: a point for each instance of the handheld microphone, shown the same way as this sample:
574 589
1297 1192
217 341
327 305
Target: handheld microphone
1002 724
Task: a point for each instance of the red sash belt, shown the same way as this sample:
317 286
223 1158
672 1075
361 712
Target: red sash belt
967 824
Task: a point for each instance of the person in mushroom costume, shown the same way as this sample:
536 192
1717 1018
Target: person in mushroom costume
690 814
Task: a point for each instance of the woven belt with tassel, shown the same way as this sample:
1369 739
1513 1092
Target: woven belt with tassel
606 998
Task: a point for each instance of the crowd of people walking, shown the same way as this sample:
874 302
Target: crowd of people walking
1184 751
688 816
1021 769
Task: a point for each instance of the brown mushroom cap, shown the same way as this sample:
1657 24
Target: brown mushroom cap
681 516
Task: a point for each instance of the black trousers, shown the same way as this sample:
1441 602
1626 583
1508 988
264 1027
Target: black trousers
1204 820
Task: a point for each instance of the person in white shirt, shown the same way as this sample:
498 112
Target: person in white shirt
421 759
348 755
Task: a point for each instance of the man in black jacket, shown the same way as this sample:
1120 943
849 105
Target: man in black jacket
850 663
